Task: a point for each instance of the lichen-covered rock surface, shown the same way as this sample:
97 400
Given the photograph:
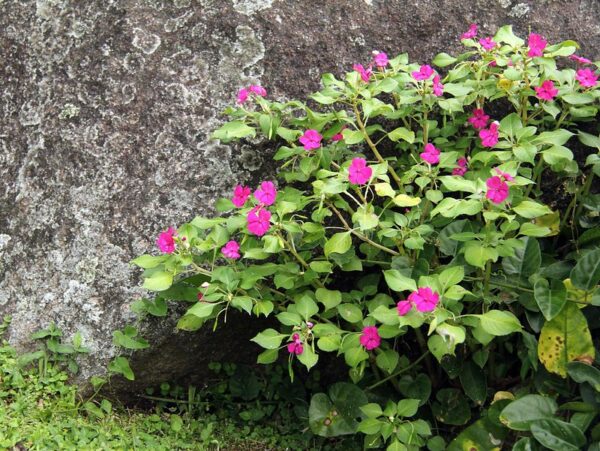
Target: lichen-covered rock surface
105 117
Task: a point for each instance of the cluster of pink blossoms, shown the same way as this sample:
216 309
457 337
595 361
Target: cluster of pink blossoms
487 43
380 60
489 136
497 188
295 347
479 119
424 300
358 171
546 91
244 93
586 78
424 73
536 44
311 139
430 154
231 250
166 241
462 167
370 338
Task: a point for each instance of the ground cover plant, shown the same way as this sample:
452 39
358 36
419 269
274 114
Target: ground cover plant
435 229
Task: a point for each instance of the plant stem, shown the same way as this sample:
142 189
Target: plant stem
399 372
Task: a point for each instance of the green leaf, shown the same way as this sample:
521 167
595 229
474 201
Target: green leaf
453 183
233 130
550 297
268 356
407 407
352 136
158 281
582 372
396 446
308 357
558 435
399 282
506 35
329 298
511 124
354 356
451 276
339 243
369 426
477 254
148 261
201 309
418 388
578 98
521 413
335 415
120 365
555 137
269 339
306 307
350 312
530 209
564 339
372 410
497 322
404 200
443 60
387 360
527 259
586 273
402 133
473 381
451 407
128 341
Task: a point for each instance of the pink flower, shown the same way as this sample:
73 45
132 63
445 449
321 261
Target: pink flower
471 33
497 190
425 299
295 347
462 167
586 78
438 88
311 139
266 194
370 338
546 91
504 175
365 73
425 72
240 195
580 59
488 43
380 59
231 249
489 136
536 45
493 64
242 95
403 307
337 137
358 172
258 90
431 155
165 241
479 119
258 221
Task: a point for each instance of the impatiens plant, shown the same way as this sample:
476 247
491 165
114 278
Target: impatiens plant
433 230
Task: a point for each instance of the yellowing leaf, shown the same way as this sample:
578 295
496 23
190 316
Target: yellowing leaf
403 200
564 339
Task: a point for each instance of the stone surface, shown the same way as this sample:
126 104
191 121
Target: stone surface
104 121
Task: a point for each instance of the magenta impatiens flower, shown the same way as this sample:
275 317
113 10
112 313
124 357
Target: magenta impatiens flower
166 242
489 136
231 250
504 175
431 154
438 88
259 221
258 90
240 195
425 72
462 167
488 43
403 307
546 91
365 72
497 189
536 44
370 338
479 119
358 171
311 139
380 59
580 59
424 299
586 78
471 33
295 347
266 193
337 137
242 95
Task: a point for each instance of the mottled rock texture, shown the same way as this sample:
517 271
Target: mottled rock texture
105 114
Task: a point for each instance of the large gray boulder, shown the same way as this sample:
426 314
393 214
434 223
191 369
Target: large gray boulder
106 111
